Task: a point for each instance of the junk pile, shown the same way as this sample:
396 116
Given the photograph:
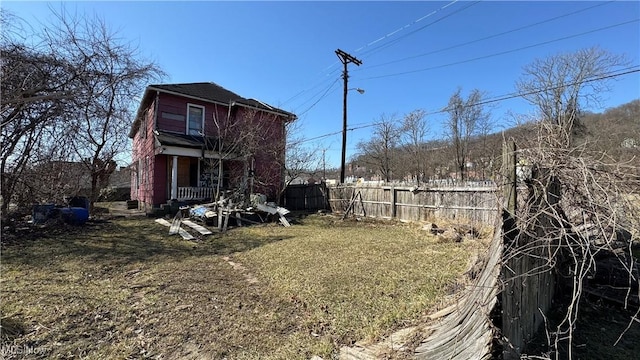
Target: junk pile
76 212
224 213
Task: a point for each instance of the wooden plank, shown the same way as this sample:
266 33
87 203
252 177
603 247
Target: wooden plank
267 209
249 221
284 221
201 229
227 214
163 222
185 235
465 331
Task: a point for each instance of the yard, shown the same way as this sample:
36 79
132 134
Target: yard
124 288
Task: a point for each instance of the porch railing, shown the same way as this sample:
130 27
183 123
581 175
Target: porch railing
194 193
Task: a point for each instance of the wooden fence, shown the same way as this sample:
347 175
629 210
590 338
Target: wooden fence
467 331
306 197
522 279
528 276
475 203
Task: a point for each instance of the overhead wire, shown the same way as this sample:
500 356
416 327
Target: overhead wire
371 43
326 92
406 26
488 37
500 53
386 45
609 75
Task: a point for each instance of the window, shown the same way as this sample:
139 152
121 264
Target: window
195 119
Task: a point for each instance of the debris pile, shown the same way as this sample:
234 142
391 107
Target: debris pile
224 213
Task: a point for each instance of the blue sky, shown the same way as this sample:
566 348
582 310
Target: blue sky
415 54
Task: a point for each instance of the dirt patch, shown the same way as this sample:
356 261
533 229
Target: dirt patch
251 279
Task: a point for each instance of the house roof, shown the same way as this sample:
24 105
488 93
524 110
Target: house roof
183 140
209 92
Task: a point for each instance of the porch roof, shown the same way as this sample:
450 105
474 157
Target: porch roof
187 141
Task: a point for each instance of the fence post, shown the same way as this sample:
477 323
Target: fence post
393 202
509 173
511 293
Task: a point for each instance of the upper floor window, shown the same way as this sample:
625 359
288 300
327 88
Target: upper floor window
195 119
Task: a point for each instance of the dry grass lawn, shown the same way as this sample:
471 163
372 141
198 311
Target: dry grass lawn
125 289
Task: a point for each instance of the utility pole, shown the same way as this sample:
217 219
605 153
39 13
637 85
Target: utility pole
346 59
324 165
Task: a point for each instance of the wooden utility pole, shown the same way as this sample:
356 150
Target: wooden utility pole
324 165
509 174
346 59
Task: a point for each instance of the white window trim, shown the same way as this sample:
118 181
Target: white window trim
203 116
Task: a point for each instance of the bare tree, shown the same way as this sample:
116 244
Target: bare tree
583 203
414 129
464 119
67 96
36 93
300 159
379 151
560 86
486 153
246 138
581 207
113 76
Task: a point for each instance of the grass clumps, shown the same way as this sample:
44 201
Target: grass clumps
126 289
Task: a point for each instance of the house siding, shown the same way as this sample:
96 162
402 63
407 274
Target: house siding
142 156
155 168
172 114
160 182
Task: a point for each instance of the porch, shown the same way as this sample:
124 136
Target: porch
185 193
194 169
191 178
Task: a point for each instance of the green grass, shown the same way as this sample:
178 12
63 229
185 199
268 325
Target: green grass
126 289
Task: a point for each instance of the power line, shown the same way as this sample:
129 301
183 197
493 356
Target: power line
326 92
405 27
502 52
490 36
327 78
386 45
373 42
620 72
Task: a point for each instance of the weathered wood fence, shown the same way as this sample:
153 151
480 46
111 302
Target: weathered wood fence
527 272
475 203
515 268
466 331
306 197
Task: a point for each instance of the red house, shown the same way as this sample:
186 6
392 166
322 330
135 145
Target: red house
195 141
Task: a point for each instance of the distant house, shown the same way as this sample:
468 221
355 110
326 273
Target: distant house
188 138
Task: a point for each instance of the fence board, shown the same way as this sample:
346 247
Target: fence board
467 332
408 203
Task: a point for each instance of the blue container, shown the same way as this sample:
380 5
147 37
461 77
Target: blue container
42 212
75 215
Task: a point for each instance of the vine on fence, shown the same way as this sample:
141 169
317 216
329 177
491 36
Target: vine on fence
579 206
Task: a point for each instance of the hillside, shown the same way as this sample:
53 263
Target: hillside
615 133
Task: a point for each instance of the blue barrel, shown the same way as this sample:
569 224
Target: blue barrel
75 215
42 212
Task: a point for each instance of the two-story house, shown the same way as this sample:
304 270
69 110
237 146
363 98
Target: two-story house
191 141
